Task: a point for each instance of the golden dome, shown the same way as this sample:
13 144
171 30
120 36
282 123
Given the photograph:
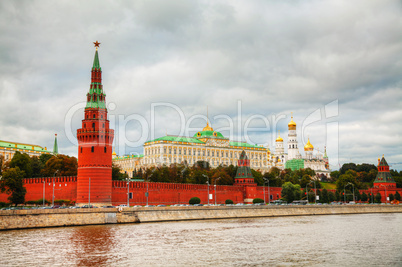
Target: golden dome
207 128
308 146
292 124
279 139
114 153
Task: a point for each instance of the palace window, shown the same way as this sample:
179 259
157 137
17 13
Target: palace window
208 153
184 151
213 153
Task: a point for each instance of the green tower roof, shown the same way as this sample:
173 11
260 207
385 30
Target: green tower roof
96 64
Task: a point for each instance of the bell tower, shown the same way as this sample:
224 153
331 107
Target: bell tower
94 178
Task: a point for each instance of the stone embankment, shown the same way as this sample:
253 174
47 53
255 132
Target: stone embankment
23 219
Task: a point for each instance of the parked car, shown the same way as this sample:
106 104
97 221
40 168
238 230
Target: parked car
108 207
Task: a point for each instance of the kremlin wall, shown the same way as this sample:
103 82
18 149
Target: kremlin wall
93 183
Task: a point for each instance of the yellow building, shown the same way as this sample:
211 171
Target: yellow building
207 145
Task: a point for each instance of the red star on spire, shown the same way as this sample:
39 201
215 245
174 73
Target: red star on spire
97 44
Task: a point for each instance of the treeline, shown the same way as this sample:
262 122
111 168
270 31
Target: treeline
23 166
201 172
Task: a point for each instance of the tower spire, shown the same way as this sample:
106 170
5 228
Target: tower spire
55 146
95 97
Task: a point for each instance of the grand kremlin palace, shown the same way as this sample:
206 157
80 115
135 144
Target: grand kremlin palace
211 146
207 145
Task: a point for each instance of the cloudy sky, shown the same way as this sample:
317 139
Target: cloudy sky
336 65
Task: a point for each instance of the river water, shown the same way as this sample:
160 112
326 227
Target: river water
335 240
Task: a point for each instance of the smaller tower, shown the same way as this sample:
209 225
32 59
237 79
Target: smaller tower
55 146
293 149
279 149
245 178
384 178
308 149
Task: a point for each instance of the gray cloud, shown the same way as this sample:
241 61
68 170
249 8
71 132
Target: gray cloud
276 57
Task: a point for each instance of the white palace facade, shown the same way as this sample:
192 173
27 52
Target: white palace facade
211 146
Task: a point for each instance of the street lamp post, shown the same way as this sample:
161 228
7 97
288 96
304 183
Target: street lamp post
207 186
315 194
263 189
208 191
54 175
44 182
128 192
89 192
372 201
215 188
269 194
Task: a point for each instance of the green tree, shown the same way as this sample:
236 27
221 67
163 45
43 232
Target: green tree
344 180
12 183
44 158
257 177
334 175
364 197
258 200
116 173
324 196
228 201
22 161
397 196
378 198
337 196
290 192
194 200
36 166
391 197
61 165
331 196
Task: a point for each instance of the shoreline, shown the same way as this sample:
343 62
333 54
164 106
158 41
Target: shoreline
31 219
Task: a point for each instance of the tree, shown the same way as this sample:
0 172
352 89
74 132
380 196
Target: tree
257 177
61 165
337 196
397 196
22 161
194 200
116 173
378 198
344 180
364 197
12 184
228 201
324 196
258 200
391 197
331 196
290 192
334 175
347 166
36 167
44 158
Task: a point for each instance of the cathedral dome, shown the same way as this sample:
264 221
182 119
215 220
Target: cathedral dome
308 146
292 124
279 139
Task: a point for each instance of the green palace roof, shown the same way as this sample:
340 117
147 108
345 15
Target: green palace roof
129 157
209 134
177 139
243 144
13 145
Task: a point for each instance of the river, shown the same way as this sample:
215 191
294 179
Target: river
334 240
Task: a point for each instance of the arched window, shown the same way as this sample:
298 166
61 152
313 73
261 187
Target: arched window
104 149
81 149
94 116
92 149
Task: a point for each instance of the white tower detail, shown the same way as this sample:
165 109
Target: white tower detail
293 149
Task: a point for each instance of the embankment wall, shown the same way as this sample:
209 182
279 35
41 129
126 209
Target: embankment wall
23 219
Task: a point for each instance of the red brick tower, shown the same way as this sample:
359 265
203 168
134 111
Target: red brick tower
245 178
94 178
